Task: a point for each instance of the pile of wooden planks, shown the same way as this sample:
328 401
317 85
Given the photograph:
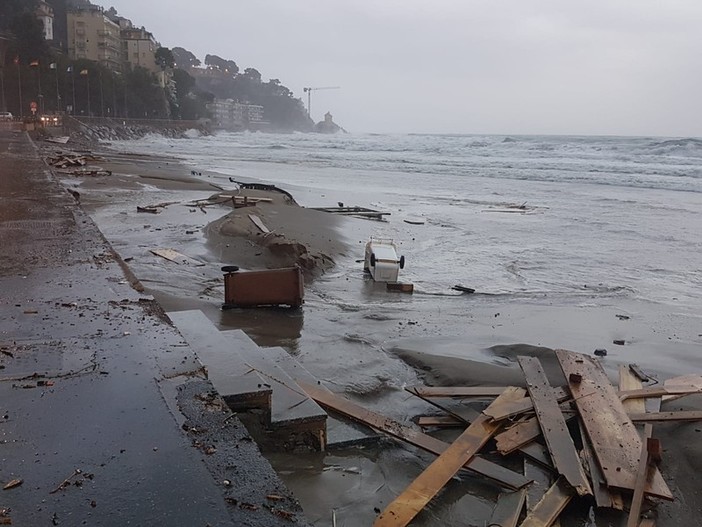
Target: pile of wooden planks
578 441
68 159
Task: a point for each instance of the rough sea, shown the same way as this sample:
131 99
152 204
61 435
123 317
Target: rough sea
518 215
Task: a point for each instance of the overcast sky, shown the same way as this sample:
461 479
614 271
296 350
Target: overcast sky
629 67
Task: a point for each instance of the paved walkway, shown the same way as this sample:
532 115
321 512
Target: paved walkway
102 413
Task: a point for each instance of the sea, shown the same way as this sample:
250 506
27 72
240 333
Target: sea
517 215
570 242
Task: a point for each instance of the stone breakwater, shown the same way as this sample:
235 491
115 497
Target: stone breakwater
107 129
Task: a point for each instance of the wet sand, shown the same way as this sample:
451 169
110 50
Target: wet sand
370 344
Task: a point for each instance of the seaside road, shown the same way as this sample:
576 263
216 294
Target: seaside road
105 418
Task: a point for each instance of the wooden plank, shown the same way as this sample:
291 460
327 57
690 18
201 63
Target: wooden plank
422 490
176 257
656 391
627 382
551 505
522 433
613 436
508 508
523 406
642 475
691 379
553 426
541 482
517 436
538 453
258 223
463 413
688 415
604 497
501 475
439 421
456 391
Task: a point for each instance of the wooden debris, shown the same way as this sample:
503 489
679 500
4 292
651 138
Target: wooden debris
657 391
467 391
258 223
688 415
614 438
551 505
540 483
439 421
642 475
12 484
628 381
508 508
408 504
604 497
501 475
175 257
361 212
555 431
400 287
523 406
692 380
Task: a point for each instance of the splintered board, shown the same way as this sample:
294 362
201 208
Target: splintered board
615 441
553 425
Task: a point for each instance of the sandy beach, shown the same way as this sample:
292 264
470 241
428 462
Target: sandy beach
365 342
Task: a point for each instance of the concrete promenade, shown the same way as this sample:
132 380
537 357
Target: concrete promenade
105 416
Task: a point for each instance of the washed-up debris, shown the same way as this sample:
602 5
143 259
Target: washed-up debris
63 160
463 289
87 172
400 287
176 257
12 484
600 454
360 212
61 140
619 342
258 223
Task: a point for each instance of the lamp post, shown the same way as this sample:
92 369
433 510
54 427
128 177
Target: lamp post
19 86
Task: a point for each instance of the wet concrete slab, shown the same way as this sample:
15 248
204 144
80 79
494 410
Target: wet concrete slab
85 421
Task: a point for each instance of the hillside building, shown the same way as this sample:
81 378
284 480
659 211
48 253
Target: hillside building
139 49
93 36
45 14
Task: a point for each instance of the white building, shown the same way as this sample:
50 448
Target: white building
45 13
232 115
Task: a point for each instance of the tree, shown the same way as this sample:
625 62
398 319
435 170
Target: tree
252 74
184 59
225 66
164 58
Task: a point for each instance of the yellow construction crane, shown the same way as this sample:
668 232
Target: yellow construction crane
309 91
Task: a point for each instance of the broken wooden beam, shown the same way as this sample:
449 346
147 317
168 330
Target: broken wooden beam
613 436
503 476
628 381
508 508
551 505
523 406
554 429
420 492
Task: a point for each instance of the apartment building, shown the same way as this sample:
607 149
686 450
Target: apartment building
139 49
93 36
231 115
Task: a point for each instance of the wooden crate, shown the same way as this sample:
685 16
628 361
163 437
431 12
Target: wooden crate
270 287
